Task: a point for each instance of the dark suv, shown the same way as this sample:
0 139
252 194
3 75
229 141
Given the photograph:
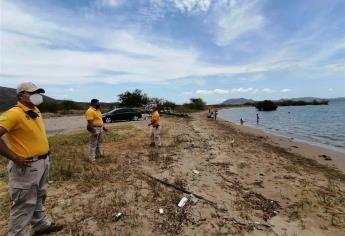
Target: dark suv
121 114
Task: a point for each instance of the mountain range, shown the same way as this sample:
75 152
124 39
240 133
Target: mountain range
241 101
8 98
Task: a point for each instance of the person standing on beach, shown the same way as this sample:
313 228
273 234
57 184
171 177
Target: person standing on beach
156 129
257 118
26 146
95 127
242 121
215 114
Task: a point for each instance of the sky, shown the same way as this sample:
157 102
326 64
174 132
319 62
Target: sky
175 49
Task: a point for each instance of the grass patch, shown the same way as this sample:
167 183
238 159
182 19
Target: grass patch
69 153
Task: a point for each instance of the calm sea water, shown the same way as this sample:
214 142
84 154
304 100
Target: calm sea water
323 125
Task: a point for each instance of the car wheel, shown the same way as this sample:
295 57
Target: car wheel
108 120
135 118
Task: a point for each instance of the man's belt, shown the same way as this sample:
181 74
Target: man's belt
36 158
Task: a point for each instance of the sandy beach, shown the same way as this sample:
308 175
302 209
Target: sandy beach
244 181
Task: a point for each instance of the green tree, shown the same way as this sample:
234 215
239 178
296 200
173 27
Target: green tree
266 105
133 99
196 104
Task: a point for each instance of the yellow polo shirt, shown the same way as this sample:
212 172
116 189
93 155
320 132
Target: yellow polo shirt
94 115
155 118
25 136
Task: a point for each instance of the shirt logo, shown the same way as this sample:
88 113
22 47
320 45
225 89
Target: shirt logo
3 117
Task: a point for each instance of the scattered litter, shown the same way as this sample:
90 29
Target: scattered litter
193 198
232 142
50 181
61 202
196 172
325 157
183 201
258 183
161 211
116 216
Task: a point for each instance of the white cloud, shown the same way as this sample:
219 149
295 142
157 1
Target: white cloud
244 90
192 5
221 91
285 90
235 18
109 3
255 90
238 90
204 92
34 55
268 90
35 49
212 92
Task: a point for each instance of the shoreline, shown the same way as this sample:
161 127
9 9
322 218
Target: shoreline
295 146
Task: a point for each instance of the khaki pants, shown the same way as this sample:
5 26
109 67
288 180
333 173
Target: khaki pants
95 144
156 136
28 191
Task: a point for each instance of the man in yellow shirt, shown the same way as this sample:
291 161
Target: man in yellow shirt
95 127
26 146
156 128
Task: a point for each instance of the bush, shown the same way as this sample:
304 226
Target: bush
266 105
59 106
133 99
196 104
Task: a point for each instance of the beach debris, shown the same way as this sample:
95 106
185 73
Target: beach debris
294 146
124 155
257 201
182 190
193 198
258 183
325 157
161 210
232 141
262 174
116 216
192 145
182 202
289 177
196 172
61 202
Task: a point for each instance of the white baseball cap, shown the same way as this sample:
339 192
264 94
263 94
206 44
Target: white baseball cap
29 87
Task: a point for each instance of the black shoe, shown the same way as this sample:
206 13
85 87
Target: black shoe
152 144
50 229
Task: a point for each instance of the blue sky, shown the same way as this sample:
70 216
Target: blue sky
175 49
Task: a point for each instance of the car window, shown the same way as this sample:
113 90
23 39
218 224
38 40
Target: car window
117 111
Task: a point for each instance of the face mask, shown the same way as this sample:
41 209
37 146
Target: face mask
36 99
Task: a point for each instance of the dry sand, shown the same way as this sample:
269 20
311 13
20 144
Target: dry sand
253 183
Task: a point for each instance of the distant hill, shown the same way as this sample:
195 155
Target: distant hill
240 101
8 98
237 101
305 99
